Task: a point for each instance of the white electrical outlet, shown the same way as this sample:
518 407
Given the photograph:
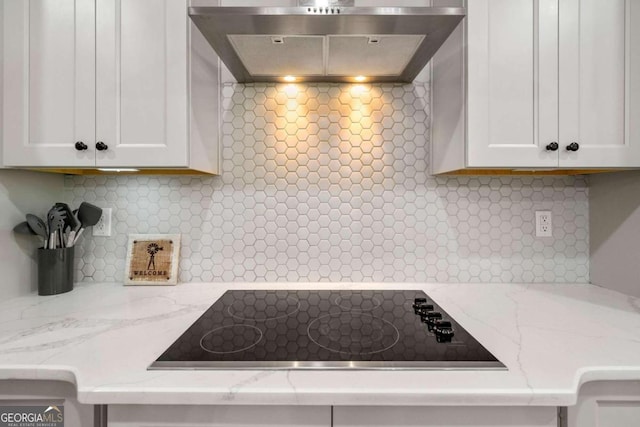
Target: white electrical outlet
103 227
544 226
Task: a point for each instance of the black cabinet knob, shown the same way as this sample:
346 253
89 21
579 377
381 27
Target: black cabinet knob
553 146
101 146
574 146
81 146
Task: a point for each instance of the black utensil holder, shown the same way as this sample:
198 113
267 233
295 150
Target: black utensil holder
55 271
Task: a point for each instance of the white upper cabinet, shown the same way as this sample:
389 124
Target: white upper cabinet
537 84
599 83
106 83
141 64
513 81
49 82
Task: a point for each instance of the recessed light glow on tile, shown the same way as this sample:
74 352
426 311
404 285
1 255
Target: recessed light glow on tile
289 78
357 90
360 78
291 90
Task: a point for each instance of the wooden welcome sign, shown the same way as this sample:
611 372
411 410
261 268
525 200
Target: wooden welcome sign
152 259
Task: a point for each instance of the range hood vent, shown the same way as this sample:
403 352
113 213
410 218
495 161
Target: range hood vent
331 43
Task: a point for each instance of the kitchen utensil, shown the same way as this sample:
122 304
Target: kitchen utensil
70 220
71 238
89 215
75 215
23 228
52 232
65 236
56 218
77 236
39 226
75 231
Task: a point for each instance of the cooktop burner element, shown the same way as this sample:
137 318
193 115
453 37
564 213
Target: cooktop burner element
353 333
325 329
231 339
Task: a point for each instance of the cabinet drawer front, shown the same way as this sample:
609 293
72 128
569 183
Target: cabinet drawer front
353 416
218 416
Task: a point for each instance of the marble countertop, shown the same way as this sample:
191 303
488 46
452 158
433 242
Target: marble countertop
102 337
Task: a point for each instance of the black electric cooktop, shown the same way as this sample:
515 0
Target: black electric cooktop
325 329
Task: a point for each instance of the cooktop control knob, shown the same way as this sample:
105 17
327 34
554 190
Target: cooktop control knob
417 303
424 310
433 317
443 331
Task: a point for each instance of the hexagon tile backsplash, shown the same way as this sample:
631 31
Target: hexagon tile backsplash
330 183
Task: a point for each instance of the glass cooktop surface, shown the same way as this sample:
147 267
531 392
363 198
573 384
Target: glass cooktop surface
326 329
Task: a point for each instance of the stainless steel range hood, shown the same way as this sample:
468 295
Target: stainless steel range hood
331 43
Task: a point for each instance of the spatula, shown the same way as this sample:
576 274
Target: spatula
88 215
39 227
23 228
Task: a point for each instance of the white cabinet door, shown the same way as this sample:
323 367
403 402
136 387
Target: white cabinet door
512 89
46 393
142 101
218 416
606 404
600 83
49 82
444 416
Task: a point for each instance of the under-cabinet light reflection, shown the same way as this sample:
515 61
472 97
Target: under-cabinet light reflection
118 170
291 90
358 89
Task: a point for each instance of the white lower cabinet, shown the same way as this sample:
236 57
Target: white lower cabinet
325 416
455 416
606 404
47 393
218 416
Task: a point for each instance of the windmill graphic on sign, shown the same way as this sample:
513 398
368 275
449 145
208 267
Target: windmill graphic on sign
153 249
152 259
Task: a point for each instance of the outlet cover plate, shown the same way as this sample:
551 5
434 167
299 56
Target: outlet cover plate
103 227
544 224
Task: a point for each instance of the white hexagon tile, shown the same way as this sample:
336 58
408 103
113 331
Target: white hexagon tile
330 183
